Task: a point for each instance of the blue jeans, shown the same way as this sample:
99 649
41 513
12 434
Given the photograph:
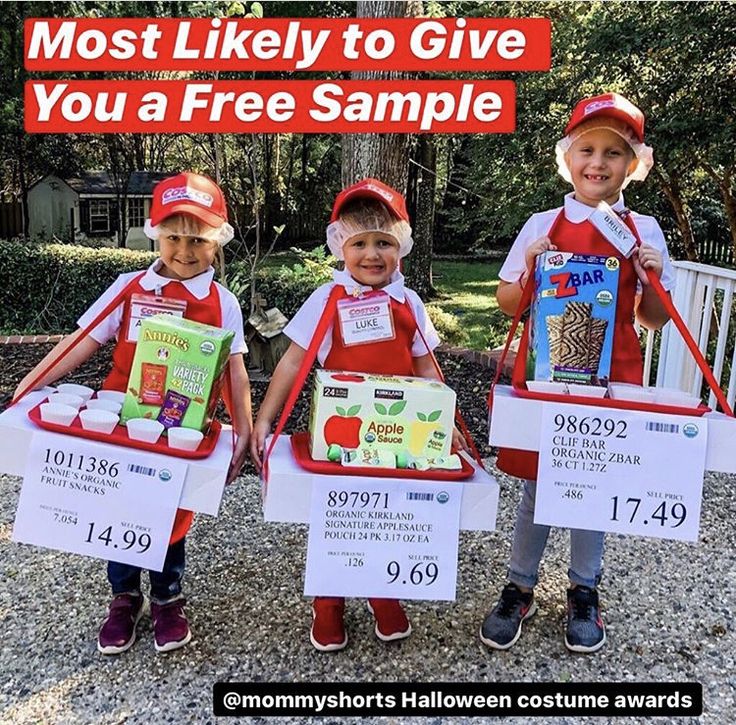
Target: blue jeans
530 539
165 584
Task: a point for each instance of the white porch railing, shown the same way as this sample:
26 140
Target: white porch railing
703 295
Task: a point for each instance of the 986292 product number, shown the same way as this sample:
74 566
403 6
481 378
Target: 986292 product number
590 425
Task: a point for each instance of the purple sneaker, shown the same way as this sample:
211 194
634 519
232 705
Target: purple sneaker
117 633
170 625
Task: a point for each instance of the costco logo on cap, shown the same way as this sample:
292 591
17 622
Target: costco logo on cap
372 189
180 193
598 105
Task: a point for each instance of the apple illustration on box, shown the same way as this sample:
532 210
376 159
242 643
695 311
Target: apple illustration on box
344 428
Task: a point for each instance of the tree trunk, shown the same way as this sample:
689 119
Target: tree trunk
421 199
671 188
725 186
382 156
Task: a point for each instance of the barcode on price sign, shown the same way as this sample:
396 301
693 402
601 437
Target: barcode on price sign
663 427
143 470
412 496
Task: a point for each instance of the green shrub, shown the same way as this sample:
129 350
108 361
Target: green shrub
447 326
46 287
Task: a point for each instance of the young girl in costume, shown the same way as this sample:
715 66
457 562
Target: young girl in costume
189 220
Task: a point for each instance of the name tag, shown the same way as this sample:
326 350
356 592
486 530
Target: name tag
366 319
143 306
609 224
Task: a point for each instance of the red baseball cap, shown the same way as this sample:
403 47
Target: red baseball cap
608 104
371 189
189 193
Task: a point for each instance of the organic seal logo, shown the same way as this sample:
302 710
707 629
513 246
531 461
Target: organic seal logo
443 497
207 347
165 474
690 430
370 437
604 298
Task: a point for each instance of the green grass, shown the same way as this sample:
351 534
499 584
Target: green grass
469 292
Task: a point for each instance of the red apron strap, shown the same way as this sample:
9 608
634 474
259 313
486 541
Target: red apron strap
108 309
682 327
307 361
458 415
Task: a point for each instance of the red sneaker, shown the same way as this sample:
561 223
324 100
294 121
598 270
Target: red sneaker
328 629
391 621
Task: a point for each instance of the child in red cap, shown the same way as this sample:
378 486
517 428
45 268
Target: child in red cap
369 230
188 218
602 151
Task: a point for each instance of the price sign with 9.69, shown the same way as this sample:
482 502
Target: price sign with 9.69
99 500
624 471
381 537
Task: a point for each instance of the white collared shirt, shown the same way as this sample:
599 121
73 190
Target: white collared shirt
538 225
303 324
152 281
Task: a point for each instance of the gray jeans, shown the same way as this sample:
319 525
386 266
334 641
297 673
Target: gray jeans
530 539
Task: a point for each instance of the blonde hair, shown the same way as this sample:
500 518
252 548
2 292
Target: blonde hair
190 226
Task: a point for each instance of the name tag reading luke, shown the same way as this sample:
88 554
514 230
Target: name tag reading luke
144 306
366 319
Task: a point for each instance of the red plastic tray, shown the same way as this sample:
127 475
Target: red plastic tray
611 403
300 449
119 436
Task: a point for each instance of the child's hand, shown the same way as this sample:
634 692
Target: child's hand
458 441
236 462
541 245
261 431
646 257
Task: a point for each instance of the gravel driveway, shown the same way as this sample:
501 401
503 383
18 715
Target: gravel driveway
669 607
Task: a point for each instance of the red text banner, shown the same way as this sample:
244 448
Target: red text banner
283 44
270 107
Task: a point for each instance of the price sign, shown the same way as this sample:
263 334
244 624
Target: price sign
628 472
103 501
372 537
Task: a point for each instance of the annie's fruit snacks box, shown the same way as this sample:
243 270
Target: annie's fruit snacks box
572 318
392 413
177 369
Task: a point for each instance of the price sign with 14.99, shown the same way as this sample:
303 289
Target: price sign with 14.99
624 471
99 500
380 537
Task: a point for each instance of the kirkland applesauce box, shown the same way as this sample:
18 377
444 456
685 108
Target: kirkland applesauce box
177 372
572 318
385 412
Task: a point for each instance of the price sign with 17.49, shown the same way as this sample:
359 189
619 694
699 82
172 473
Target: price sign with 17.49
99 500
624 471
381 537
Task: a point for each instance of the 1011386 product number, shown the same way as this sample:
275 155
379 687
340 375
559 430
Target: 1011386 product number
78 462
590 425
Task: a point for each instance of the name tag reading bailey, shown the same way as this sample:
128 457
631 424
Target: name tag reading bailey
366 319
623 471
145 306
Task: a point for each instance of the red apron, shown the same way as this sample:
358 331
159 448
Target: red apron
626 362
207 311
385 357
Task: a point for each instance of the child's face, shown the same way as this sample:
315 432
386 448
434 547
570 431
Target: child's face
184 256
371 258
599 162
